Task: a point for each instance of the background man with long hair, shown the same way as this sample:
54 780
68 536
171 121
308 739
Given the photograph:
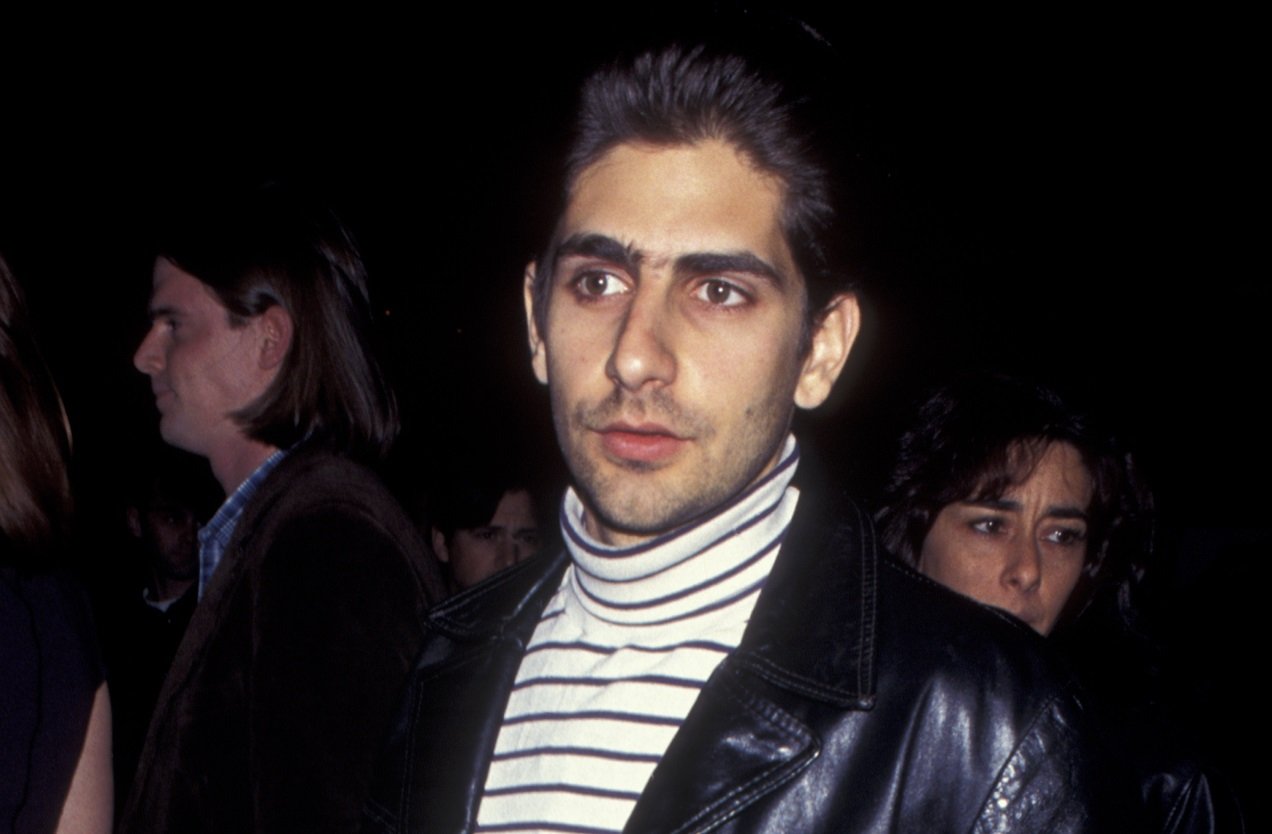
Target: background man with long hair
311 581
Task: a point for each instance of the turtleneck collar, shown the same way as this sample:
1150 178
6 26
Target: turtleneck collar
701 567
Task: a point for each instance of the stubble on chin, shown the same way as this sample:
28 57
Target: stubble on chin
623 495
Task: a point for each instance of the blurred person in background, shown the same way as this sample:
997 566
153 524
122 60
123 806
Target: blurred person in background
491 506
146 602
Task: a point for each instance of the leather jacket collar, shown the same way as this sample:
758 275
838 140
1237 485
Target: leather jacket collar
828 658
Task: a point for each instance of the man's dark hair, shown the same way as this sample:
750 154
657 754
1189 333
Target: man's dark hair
473 477
273 247
472 499
677 96
985 432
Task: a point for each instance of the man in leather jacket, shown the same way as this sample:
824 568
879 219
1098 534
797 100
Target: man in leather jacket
721 646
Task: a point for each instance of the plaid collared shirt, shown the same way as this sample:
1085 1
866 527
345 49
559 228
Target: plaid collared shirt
215 536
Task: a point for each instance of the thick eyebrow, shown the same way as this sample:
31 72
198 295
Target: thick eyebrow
593 245
1066 512
1053 511
704 263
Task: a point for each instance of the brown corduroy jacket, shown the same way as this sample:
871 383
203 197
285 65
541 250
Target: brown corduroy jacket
286 681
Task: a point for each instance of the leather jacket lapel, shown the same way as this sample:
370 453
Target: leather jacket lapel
457 696
744 736
813 628
473 684
735 746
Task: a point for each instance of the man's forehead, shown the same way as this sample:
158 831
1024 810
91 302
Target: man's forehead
685 167
175 290
661 202
723 148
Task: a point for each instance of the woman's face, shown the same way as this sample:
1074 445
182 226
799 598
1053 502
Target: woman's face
1023 551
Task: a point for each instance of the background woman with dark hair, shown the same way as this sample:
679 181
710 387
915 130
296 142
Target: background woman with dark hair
55 721
1007 495
1003 492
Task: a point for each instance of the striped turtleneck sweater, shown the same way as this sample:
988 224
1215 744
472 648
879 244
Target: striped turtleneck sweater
619 656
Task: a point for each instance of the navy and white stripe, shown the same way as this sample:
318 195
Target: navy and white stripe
619 657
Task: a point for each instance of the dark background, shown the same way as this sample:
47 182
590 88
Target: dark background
1073 197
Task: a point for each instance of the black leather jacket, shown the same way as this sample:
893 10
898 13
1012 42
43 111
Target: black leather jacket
863 698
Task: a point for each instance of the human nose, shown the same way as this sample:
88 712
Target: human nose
1023 571
521 550
149 358
507 553
642 354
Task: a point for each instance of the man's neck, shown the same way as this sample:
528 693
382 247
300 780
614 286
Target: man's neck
232 467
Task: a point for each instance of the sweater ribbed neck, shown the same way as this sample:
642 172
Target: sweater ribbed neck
688 572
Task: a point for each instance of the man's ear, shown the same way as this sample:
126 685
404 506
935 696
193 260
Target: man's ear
833 334
439 546
538 353
276 336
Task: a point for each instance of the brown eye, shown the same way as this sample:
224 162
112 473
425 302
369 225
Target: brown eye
1065 536
598 284
721 293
